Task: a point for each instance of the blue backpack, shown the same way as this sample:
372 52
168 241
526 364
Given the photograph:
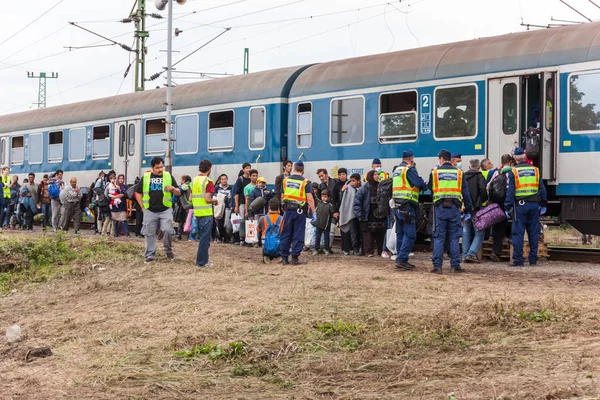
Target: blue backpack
272 237
53 191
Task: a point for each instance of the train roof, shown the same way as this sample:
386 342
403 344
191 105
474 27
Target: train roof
255 86
524 50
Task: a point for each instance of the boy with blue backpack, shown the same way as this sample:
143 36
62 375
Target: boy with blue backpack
270 227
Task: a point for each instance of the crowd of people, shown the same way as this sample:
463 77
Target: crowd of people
299 215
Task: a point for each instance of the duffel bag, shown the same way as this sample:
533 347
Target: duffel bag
488 217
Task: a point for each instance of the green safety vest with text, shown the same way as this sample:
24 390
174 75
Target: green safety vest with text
167 197
527 181
447 184
401 188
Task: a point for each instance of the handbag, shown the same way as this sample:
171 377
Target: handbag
488 217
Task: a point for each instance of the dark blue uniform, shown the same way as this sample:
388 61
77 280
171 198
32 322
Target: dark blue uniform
526 217
448 222
406 232
294 226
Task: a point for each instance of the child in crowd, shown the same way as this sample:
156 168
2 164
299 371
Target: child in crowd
271 237
325 213
259 191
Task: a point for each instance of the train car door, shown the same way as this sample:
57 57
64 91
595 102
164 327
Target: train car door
504 117
4 159
127 157
548 115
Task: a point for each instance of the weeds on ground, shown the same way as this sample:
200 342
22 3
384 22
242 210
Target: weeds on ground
213 351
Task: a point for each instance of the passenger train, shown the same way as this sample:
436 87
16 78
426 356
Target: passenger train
474 97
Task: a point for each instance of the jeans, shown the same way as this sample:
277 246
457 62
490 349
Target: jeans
152 220
320 232
55 213
472 239
117 225
46 210
205 225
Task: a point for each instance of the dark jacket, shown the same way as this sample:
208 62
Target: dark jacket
255 194
362 202
324 214
278 184
476 183
336 196
329 185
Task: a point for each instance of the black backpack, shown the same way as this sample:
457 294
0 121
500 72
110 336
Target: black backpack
532 143
100 198
497 190
384 195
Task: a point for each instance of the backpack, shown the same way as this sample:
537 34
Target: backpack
497 192
53 191
384 195
532 143
100 198
272 237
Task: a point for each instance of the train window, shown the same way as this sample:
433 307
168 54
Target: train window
549 104
36 149
122 141
304 125
509 109
100 142
584 103
398 117
131 140
77 144
186 134
347 121
455 112
155 135
55 146
3 151
17 150
220 131
258 120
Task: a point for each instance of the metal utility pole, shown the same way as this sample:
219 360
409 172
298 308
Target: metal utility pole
246 60
141 34
42 86
160 4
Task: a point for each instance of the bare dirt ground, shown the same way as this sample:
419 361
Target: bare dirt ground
339 327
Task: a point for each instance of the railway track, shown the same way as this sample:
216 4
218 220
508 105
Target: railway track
575 254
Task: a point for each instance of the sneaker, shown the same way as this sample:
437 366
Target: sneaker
384 254
393 257
346 254
296 261
494 258
266 260
207 265
315 252
436 271
371 255
473 259
457 270
513 264
236 243
170 256
284 261
411 255
150 259
328 252
404 266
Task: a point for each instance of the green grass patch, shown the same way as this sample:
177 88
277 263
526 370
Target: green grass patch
537 316
338 335
213 351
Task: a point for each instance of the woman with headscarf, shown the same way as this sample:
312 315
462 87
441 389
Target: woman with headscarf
372 227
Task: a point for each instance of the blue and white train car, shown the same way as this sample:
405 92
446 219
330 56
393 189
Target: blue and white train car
474 97
229 121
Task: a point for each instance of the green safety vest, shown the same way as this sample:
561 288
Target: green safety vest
6 189
447 184
401 187
527 181
167 197
202 208
485 174
294 190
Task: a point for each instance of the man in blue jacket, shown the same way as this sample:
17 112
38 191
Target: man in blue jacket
526 199
450 191
406 186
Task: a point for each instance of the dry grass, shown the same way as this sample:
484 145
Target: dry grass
345 328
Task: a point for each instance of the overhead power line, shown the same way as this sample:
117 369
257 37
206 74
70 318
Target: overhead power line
31 23
123 46
573 8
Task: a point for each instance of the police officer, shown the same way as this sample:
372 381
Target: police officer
5 196
449 188
526 199
406 186
295 201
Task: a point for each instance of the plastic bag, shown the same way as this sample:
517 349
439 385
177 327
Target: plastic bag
390 238
251 232
187 228
228 226
310 234
235 222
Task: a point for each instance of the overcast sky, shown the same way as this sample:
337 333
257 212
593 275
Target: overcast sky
282 36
